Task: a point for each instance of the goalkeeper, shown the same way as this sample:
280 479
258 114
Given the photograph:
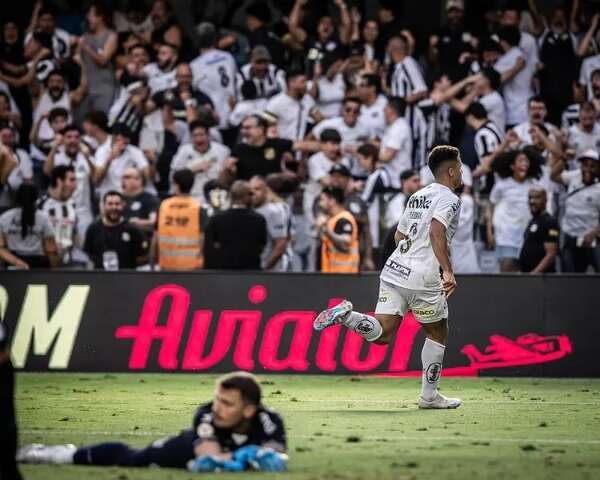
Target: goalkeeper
234 432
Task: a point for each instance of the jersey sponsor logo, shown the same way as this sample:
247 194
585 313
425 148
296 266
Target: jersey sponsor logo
415 215
270 153
419 202
432 374
403 271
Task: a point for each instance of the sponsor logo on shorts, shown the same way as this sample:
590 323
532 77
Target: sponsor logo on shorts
432 374
424 313
364 326
403 271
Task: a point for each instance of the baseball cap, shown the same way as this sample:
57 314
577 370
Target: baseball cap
591 154
341 169
450 4
260 52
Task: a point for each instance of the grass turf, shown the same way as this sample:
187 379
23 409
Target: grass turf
338 427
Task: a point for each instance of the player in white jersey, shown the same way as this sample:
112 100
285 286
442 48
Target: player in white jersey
410 279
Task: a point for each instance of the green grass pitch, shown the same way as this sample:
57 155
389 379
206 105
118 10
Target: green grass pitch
338 427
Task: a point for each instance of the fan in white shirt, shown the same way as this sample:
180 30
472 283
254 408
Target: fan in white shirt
204 158
585 134
291 109
536 115
215 72
516 76
588 67
373 103
161 74
328 87
396 144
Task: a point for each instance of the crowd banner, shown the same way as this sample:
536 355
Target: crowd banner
218 322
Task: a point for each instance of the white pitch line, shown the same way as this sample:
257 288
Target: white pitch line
463 439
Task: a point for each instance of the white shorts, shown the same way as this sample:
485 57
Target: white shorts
426 306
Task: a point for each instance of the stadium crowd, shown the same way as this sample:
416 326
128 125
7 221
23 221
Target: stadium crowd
289 135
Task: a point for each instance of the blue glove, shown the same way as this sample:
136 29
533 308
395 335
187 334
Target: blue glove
205 463
268 460
246 455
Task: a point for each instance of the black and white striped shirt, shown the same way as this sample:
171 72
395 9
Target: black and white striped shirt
487 139
63 218
272 84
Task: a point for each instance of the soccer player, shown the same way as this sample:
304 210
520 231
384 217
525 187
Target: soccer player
234 432
410 279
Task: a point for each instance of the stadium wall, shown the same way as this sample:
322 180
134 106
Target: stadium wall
218 322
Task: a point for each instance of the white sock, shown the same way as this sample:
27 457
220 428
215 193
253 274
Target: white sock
432 356
366 326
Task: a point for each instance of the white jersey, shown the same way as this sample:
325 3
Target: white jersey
487 139
331 93
582 207
580 141
518 90
292 115
585 73
82 197
215 73
279 220
494 106
398 137
63 219
462 250
159 80
373 116
413 264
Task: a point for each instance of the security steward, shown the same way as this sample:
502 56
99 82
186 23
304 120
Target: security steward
178 239
338 231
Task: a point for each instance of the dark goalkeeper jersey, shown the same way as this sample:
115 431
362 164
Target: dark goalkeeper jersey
266 427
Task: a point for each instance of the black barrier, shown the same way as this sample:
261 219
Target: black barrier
217 322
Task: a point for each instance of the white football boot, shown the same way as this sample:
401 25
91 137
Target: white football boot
50 454
332 316
439 402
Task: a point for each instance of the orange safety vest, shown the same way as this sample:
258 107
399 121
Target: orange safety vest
179 234
334 261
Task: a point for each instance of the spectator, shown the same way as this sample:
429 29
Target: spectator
508 214
488 137
236 238
215 73
68 150
59 207
95 126
22 172
373 103
8 111
257 18
111 242
181 221
352 131
98 47
250 104
129 109
536 113
462 248
590 64
26 234
277 255
268 78
328 86
585 134
140 206
161 74
450 45
113 159
582 212
540 245
8 163
511 18
396 144
338 232
291 109
353 202
41 141
515 75
259 155
204 158
164 26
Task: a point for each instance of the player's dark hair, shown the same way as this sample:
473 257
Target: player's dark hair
260 120
372 80
493 77
477 110
352 99
97 118
60 172
184 179
292 73
406 174
243 382
56 113
55 72
121 129
112 193
503 162
25 198
198 124
330 135
336 193
511 35
441 155
370 151
101 9
398 104
207 35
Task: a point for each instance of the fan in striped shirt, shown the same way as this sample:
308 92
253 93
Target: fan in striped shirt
59 206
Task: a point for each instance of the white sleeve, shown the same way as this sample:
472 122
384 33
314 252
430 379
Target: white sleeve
319 127
101 155
139 158
505 62
26 165
395 137
277 223
403 223
414 72
273 106
496 193
583 72
179 159
316 169
446 208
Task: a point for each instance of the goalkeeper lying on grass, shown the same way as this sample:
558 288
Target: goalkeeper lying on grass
232 433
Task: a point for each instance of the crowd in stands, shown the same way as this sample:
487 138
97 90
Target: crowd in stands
289 135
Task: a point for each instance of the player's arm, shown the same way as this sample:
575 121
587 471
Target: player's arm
278 249
398 237
551 251
210 447
439 244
